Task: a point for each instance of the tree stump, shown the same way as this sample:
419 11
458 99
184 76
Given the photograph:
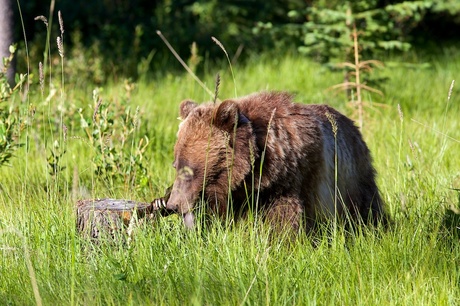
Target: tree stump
98 217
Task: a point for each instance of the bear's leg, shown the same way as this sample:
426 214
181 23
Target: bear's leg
285 213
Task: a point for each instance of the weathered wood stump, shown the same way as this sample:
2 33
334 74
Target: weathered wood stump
99 217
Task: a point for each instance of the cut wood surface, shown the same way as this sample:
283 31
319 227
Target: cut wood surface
98 216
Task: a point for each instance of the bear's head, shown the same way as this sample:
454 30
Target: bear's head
212 156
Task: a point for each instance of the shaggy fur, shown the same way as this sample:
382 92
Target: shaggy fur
289 150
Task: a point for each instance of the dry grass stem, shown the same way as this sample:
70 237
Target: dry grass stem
269 126
237 53
177 56
228 59
436 131
348 85
331 118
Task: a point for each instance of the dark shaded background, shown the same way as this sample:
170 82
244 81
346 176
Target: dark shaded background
122 32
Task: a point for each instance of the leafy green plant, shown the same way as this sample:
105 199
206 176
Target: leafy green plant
118 155
84 64
54 158
8 116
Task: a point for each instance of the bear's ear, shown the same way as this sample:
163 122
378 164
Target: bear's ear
227 115
185 108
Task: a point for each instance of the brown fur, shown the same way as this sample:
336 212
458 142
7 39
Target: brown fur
224 146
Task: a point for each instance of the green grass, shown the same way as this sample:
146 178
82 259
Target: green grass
414 263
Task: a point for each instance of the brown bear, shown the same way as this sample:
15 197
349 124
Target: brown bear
296 162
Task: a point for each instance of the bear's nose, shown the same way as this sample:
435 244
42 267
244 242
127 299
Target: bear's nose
171 206
172 203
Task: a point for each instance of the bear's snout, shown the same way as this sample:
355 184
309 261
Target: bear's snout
180 200
171 206
184 192
178 203
173 203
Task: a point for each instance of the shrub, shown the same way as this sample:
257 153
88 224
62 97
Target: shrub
8 115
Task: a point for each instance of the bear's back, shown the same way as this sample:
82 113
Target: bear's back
302 142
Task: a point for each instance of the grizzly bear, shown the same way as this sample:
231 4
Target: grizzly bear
298 163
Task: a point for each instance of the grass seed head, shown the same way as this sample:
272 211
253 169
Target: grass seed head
450 90
60 46
42 18
61 23
41 75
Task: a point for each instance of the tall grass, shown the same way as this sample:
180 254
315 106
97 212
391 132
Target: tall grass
413 263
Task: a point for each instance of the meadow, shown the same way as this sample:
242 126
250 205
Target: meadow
83 141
